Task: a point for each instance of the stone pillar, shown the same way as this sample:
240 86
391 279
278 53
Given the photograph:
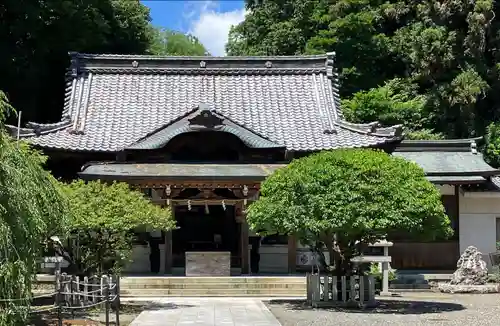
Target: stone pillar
386 268
168 252
292 255
385 279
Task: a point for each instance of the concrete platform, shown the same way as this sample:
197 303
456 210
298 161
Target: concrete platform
208 312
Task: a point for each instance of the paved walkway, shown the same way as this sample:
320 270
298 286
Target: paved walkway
206 312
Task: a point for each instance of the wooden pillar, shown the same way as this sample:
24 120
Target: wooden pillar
168 252
292 255
457 207
242 219
457 221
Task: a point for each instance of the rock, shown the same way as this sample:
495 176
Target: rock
471 269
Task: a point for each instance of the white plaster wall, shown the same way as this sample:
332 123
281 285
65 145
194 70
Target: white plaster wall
446 189
273 259
140 260
471 203
477 223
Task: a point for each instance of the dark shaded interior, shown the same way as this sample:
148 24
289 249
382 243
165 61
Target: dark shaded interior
204 228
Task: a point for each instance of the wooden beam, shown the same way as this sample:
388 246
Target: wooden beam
200 184
121 156
208 201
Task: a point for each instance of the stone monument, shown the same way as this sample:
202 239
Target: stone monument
471 275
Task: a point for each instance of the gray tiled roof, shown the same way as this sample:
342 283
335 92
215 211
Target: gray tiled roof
114 101
178 171
447 159
496 182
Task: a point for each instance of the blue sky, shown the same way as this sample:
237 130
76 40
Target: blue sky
208 20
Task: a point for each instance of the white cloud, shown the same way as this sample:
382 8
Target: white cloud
212 27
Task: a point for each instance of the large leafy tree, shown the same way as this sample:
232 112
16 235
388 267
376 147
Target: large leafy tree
168 42
31 209
492 145
346 199
444 50
36 36
102 218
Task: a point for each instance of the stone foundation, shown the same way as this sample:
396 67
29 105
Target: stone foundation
461 288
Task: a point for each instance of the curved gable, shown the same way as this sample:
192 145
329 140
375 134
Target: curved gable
201 120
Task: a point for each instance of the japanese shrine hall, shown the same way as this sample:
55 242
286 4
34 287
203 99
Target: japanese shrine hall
200 134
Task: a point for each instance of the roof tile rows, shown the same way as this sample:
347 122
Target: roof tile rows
114 101
445 161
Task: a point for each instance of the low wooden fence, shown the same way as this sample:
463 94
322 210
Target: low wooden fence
72 294
327 290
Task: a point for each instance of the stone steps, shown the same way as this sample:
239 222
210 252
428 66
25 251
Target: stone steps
213 286
253 286
211 293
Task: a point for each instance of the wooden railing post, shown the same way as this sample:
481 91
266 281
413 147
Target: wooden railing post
71 299
117 300
106 300
59 300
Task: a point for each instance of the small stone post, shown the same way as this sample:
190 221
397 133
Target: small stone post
385 269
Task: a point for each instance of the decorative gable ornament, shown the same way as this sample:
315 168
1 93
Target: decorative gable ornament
206 118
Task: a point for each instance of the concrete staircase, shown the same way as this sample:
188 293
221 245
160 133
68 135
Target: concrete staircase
234 286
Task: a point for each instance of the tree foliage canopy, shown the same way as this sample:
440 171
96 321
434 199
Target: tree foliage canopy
31 209
341 197
492 146
102 218
36 36
444 50
167 42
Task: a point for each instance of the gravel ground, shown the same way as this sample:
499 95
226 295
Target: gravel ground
411 309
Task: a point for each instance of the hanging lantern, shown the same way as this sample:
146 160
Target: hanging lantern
189 205
168 192
207 211
223 205
245 193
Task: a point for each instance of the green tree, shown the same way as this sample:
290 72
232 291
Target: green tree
445 49
101 223
395 103
423 134
388 105
31 209
167 42
346 199
492 146
36 36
